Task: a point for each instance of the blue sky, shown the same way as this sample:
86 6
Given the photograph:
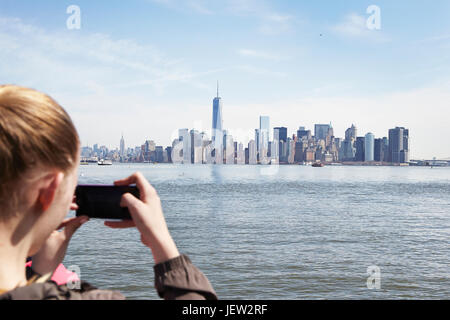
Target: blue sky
149 67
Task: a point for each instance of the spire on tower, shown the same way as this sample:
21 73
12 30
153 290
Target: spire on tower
217 88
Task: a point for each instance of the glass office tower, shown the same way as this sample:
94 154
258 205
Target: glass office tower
217 127
264 131
369 147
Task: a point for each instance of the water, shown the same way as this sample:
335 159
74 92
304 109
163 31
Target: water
288 232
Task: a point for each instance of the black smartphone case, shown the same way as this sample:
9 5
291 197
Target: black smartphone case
103 202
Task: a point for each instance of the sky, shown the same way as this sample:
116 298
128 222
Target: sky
146 68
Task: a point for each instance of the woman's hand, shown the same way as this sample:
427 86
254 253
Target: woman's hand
148 218
52 252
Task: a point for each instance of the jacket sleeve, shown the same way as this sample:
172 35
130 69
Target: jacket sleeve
179 279
51 291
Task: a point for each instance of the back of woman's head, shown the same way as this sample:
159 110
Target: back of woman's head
35 132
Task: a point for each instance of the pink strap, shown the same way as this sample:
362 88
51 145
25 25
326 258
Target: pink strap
61 274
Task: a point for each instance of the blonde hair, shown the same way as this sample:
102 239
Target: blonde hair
34 131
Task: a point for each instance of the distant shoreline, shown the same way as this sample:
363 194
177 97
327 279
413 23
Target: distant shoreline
332 164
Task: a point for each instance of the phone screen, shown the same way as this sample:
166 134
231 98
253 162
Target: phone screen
103 201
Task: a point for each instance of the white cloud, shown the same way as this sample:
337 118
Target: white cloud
279 18
439 38
260 71
197 6
274 24
200 7
257 54
270 22
82 61
355 26
247 7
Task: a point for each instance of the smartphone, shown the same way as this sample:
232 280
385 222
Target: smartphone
103 201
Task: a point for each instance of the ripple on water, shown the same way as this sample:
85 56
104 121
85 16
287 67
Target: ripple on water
302 233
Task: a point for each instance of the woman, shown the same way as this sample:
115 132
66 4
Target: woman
39 157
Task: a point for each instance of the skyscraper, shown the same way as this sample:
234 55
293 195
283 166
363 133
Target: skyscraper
290 153
264 132
398 145
184 136
321 131
196 147
404 154
252 152
348 150
177 152
122 147
217 127
240 154
378 154
280 140
169 154
350 133
228 148
280 133
257 136
385 149
159 154
300 147
302 133
360 144
369 147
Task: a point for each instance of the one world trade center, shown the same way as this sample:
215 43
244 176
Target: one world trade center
217 128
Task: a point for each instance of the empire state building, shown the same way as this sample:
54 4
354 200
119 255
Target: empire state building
217 127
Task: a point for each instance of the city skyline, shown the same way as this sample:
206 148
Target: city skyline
195 147
282 149
298 62
186 131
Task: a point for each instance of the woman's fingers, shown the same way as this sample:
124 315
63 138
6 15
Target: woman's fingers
146 190
66 221
130 201
72 225
73 205
134 205
124 182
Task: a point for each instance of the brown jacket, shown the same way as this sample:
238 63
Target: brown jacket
177 279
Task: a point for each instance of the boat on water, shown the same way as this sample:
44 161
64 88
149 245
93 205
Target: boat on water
104 162
318 164
84 163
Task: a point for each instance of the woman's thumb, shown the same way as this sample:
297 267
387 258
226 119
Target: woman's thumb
73 225
129 201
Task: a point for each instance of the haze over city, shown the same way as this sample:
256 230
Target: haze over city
147 68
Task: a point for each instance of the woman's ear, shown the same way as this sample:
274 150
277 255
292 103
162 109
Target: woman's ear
48 188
